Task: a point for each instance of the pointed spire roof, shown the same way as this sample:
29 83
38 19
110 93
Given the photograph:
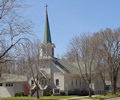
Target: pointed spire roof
46 36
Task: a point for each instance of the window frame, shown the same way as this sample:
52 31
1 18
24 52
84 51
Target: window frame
1 84
32 82
45 82
9 84
42 82
57 82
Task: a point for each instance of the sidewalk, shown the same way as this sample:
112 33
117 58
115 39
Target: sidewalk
80 97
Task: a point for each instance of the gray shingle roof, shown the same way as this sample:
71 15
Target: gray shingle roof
45 74
83 68
67 66
12 78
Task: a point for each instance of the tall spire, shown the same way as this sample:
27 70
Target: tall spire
47 36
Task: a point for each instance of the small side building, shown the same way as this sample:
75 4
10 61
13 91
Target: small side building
10 84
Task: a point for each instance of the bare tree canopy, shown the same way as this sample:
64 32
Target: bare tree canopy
14 29
95 53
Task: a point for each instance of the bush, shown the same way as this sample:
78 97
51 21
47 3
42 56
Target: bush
48 93
62 92
19 94
79 93
83 93
51 91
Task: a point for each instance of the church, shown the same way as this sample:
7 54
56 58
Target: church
57 73
54 73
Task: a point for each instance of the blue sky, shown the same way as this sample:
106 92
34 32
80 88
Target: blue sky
68 18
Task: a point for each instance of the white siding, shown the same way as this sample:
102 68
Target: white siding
18 87
60 77
11 91
46 66
6 91
69 79
98 85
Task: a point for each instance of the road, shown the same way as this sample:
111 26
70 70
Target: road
116 98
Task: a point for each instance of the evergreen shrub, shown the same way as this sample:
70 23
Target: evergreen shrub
48 93
62 92
19 94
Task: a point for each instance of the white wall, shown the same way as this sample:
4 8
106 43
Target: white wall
56 74
10 91
18 87
79 85
6 91
60 76
65 79
46 50
98 84
46 66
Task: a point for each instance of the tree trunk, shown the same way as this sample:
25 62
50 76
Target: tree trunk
90 92
37 91
104 88
113 84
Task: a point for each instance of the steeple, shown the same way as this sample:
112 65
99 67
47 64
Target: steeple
47 47
46 36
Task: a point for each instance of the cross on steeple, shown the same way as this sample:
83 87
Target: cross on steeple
46 6
47 35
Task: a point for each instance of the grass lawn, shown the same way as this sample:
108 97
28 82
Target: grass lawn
41 98
98 97
57 97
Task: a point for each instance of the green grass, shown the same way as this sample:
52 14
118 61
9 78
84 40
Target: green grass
94 98
99 97
57 97
41 98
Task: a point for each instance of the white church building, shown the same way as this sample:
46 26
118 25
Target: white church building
56 73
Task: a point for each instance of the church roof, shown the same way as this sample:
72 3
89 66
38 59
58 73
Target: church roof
67 66
44 74
72 67
47 35
41 73
13 78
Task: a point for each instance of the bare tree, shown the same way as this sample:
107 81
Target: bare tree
84 50
110 48
101 68
100 60
7 6
31 54
13 29
99 51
